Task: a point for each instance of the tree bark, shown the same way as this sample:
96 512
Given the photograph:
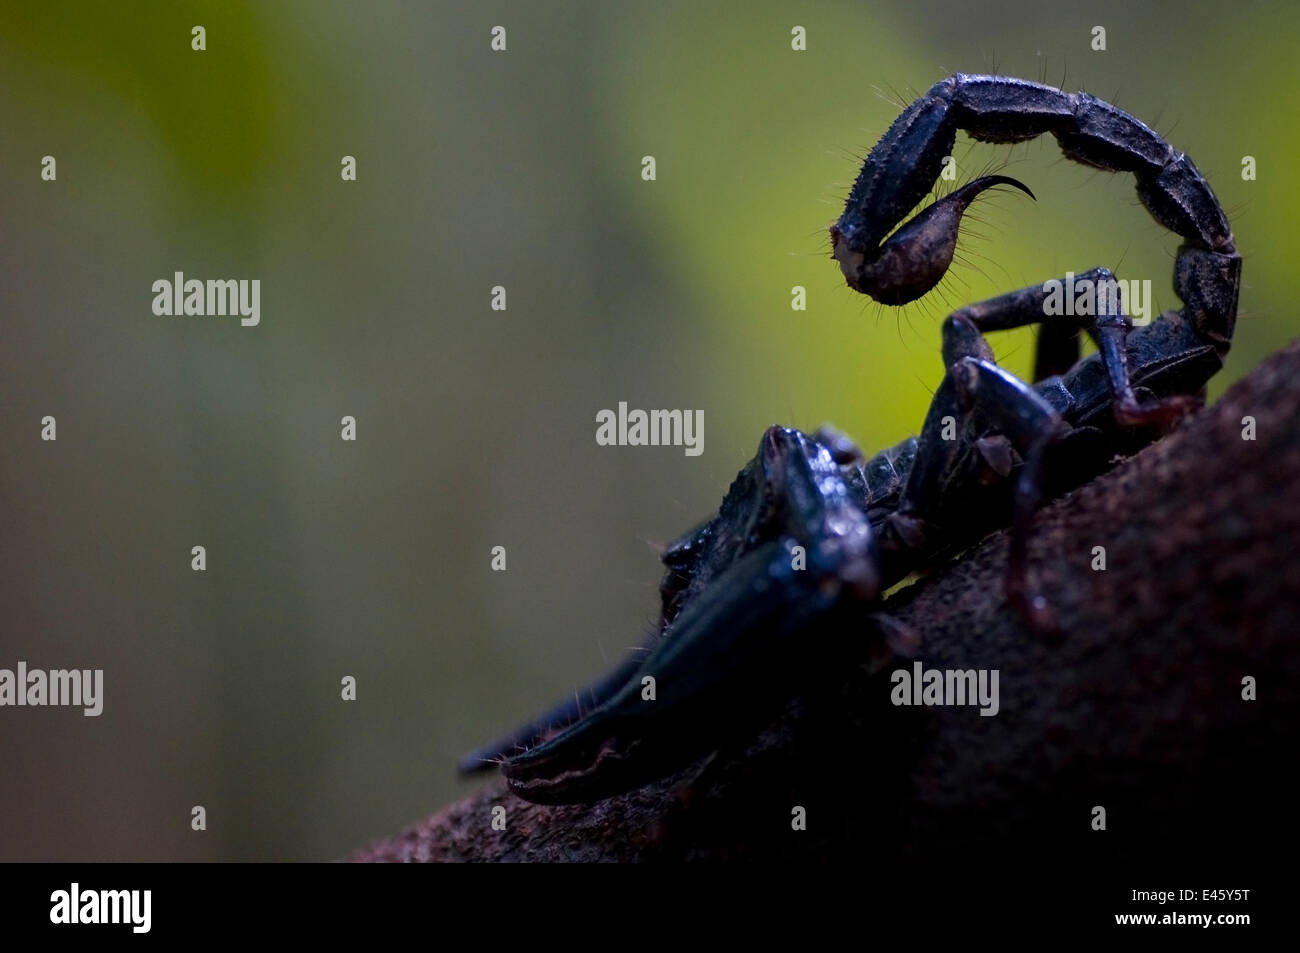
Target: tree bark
1136 707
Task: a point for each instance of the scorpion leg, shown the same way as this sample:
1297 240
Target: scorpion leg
974 384
1033 425
713 665
1109 326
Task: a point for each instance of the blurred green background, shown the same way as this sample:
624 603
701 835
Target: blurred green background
475 427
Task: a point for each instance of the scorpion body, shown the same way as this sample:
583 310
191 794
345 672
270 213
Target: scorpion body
812 533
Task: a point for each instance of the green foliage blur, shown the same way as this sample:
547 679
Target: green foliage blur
477 169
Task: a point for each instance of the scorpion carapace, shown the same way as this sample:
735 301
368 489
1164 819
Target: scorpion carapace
811 533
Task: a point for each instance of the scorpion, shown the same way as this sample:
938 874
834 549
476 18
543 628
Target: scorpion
812 533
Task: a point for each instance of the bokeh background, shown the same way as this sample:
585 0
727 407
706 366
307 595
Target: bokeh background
476 427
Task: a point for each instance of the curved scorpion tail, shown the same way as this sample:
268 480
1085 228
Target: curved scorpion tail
904 164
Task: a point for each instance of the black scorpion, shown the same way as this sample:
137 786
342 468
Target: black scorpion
811 533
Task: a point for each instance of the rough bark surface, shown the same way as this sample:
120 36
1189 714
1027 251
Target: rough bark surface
1137 707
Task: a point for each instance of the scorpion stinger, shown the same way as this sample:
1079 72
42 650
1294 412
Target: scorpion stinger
913 259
